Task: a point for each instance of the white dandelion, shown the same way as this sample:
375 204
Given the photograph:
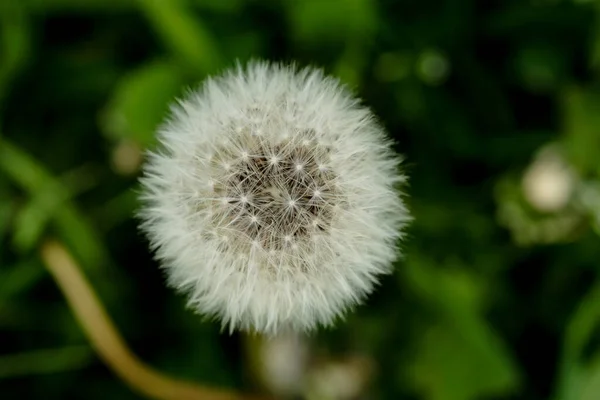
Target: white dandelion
273 202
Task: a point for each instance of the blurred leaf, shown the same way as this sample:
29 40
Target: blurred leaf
87 5
575 377
453 289
540 66
581 121
228 6
187 37
244 45
6 211
459 357
591 388
589 199
522 19
350 66
595 41
316 21
45 361
14 42
140 103
452 366
18 278
33 217
73 228
117 209
197 352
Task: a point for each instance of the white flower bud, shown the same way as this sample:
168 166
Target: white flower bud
273 200
548 183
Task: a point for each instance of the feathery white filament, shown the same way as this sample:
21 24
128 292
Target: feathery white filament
272 202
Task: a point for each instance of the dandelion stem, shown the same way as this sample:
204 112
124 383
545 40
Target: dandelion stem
107 341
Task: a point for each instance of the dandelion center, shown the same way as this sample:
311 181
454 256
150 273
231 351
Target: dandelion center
274 192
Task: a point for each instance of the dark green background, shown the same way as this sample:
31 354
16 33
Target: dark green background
494 299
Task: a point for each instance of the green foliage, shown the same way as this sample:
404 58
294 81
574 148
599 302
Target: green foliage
45 361
140 103
582 121
459 346
497 295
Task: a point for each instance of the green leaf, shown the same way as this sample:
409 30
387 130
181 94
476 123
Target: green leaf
459 357
581 119
540 67
316 21
351 65
77 5
575 376
34 216
452 364
141 101
594 50
45 361
18 278
118 209
227 6
591 387
189 40
73 227
6 211
15 42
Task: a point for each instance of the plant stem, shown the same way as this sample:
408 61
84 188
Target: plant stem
107 341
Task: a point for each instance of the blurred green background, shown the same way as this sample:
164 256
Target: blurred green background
495 105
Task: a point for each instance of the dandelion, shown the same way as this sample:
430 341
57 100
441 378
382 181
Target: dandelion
273 201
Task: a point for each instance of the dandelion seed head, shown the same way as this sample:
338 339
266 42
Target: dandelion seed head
273 200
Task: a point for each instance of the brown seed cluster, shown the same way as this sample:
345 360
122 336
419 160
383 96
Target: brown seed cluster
273 195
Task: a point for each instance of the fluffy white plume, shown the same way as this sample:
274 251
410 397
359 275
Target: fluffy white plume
273 200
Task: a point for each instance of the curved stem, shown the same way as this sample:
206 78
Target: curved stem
108 343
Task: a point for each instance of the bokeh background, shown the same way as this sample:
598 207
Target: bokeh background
495 105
